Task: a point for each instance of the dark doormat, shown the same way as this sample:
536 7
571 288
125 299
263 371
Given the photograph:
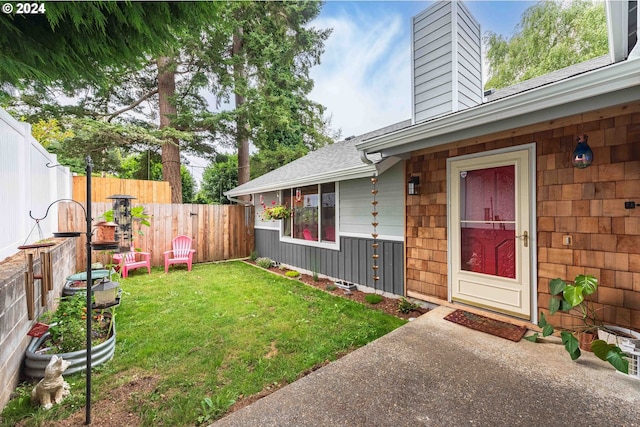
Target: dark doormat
485 324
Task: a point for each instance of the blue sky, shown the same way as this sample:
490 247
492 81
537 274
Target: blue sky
364 76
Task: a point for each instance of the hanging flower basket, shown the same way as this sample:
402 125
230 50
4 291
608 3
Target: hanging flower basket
275 212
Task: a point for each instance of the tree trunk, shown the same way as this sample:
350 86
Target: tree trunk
242 132
170 150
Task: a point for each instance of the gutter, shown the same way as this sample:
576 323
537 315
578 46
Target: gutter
616 77
361 171
238 201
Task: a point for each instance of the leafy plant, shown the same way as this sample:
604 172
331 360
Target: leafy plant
253 256
275 211
137 213
405 306
68 325
331 287
315 276
373 298
292 273
264 262
570 299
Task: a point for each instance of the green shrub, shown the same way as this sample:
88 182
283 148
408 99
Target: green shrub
264 262
253 256
373 298
315 276
331 287
405 306
292 273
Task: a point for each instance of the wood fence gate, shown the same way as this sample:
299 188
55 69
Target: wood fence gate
219 232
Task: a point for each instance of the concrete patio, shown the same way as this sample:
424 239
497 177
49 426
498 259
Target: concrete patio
432 372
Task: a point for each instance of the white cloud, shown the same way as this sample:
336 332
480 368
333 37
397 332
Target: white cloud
364 77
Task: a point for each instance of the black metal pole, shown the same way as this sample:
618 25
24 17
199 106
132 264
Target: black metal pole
89 285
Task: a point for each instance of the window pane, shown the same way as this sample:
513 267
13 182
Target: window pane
305 213
286 223
328 212
487 225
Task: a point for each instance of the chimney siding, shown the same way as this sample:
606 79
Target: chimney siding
447 61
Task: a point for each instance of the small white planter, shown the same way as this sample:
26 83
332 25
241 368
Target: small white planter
617 335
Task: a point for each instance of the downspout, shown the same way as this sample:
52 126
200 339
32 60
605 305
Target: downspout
364 158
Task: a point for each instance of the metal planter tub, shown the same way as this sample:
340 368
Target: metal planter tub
35 364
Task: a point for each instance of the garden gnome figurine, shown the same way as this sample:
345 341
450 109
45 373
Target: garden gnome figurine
52 388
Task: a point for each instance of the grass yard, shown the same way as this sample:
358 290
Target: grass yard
190 345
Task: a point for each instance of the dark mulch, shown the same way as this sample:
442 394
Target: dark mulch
387 305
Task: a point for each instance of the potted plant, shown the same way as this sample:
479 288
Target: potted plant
569 298
275 211
66 338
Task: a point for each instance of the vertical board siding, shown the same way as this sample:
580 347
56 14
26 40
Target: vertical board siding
219 232
144 191
353 263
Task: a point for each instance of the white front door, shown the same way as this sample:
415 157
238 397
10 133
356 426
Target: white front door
490 232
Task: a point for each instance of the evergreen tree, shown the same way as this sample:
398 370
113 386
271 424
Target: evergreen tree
218 177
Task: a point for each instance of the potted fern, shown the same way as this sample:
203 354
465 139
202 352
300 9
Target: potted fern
570 298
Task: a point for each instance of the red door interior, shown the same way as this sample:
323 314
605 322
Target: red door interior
487 221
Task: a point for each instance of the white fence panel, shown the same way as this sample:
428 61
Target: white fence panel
27 185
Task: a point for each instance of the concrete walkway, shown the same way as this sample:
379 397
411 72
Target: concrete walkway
432 372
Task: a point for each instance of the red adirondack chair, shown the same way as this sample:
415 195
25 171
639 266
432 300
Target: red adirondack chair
180 254
132 260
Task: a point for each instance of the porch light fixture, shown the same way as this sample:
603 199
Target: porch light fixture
413 187
582 156
298 195
122 217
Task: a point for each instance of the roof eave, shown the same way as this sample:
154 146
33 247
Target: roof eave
360 171
606 80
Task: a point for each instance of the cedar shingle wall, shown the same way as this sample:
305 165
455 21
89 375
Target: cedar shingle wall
587 204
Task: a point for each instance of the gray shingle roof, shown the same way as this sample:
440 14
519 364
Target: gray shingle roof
325 164
552 77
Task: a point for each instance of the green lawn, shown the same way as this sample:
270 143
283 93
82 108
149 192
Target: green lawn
212 336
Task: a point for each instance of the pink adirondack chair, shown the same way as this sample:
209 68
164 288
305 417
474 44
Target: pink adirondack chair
180 254
132 260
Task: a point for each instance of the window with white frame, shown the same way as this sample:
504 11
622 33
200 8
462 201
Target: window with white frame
313 213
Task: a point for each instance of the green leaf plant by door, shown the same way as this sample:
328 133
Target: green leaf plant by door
569 298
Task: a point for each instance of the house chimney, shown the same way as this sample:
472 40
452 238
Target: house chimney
447 61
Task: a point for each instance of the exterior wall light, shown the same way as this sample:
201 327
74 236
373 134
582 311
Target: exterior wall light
413 187
582 156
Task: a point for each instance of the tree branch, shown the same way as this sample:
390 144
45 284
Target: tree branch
131 106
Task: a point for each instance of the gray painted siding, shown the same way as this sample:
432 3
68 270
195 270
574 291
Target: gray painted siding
469 60
432 62
447 61
355 204
352 263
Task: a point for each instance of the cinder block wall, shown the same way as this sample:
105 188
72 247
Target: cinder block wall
587 204
14 322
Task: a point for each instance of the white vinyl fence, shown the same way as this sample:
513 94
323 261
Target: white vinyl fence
27 184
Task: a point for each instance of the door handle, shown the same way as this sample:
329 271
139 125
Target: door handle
525 238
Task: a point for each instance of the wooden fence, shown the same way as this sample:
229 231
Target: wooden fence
219 232
101 188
